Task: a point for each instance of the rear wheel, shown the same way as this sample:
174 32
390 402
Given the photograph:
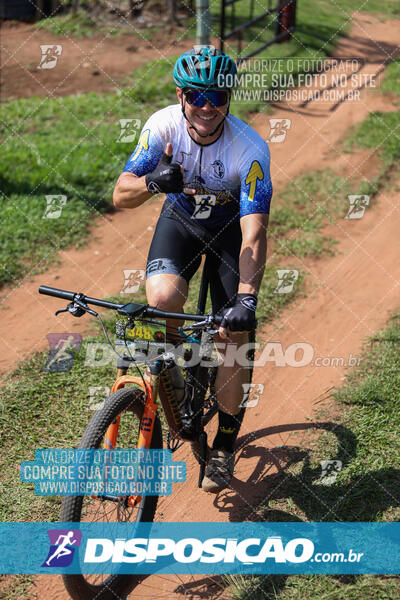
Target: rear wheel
130 402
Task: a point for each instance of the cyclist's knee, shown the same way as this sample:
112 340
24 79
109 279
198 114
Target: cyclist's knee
167 292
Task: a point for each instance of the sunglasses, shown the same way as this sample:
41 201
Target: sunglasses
199 97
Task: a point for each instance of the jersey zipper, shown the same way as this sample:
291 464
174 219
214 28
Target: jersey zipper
201 157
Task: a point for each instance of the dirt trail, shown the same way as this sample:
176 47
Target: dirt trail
97 64
351 296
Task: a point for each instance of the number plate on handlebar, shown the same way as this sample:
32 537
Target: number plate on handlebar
144 335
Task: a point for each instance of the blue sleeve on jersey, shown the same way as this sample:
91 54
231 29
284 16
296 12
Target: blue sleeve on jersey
255 183
146 155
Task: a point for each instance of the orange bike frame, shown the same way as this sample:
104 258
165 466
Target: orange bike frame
146 423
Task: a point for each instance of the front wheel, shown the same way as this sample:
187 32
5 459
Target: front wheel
130 402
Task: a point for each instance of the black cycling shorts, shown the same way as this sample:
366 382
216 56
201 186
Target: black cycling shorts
179 243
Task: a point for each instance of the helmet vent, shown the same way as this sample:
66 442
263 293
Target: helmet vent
218 64
186 67
208 68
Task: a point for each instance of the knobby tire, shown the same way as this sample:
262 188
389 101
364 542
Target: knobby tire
129 400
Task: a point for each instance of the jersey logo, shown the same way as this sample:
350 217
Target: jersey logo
254 173
219 169
222 197
143 144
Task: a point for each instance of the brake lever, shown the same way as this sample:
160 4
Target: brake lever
77 308
85 307
198 325
208 322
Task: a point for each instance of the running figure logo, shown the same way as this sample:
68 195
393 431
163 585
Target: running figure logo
129 130
278 129
329 471
204 204
286 280
54 207
358 204
63 543
62 347
251 394
50 55
132 280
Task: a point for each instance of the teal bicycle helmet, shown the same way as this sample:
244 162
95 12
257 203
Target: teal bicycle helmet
205 68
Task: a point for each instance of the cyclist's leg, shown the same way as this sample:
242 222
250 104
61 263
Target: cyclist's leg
233 372
174 257
224 285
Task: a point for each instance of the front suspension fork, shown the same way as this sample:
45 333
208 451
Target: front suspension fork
149 413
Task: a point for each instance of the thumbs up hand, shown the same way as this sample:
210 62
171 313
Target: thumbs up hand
167 156
167 177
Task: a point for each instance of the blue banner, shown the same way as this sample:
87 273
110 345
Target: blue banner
200 548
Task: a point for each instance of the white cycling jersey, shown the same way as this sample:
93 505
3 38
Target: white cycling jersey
231 175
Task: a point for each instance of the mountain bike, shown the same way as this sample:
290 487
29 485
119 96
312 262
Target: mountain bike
129 416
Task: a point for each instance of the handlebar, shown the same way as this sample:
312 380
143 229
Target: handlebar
142 309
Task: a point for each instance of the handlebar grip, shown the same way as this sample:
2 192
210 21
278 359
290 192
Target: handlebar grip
49 291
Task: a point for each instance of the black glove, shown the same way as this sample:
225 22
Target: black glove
166 178
242 315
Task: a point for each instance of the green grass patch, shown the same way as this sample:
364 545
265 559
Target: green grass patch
304 207
15 587
385 8
41 410
391 81
66 147
88 22
315 587
81 24
381 132
360 430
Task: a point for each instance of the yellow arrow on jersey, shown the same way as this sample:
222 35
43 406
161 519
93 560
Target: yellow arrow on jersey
255 173
143 144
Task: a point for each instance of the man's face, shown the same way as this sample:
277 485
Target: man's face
206 118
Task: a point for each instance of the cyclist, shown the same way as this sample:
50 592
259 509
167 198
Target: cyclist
214 169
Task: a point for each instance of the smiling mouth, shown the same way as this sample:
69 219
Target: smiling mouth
206 118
